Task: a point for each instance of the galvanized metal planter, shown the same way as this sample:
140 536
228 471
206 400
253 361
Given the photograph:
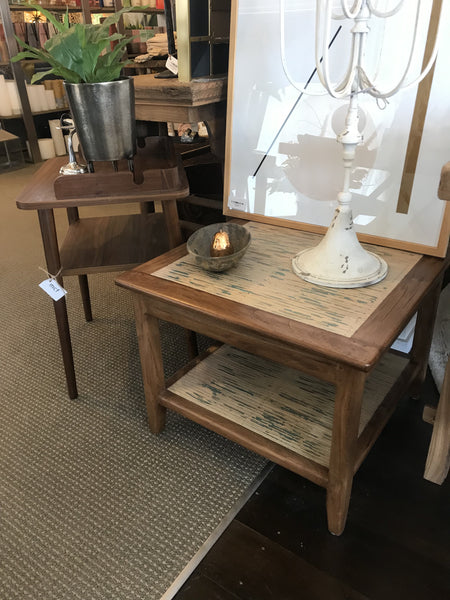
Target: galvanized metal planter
104 117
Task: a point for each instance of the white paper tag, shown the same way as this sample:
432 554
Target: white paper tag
172 64
53 289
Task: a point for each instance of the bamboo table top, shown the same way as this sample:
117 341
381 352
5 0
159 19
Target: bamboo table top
263 296
264 279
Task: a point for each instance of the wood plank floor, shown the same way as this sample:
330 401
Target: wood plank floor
396 544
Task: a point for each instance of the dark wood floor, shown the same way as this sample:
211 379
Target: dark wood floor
396 544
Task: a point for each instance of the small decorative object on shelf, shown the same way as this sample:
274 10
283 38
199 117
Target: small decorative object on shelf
340 260
232 242
72 167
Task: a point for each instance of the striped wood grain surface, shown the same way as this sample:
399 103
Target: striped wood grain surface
282 404
264 280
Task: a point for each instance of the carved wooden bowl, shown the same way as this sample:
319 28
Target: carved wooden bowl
199 246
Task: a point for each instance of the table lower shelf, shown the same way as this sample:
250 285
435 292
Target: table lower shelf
102 244
274 410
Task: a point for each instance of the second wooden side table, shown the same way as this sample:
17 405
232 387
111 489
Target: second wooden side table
100 244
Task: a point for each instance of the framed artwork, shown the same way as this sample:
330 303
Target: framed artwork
283 164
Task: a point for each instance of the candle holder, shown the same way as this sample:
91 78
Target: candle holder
339 260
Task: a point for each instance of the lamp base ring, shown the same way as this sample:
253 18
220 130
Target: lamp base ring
343 281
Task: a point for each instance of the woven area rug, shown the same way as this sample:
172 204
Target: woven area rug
92 505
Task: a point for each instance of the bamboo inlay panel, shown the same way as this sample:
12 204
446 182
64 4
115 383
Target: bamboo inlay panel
279 403
264 279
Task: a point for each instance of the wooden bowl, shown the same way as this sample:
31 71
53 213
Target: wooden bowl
199 246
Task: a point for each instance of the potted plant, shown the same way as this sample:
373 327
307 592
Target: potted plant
89 58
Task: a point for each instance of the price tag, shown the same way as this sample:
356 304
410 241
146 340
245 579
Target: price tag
172 64
53 289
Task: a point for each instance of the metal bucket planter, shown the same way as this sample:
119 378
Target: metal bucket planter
104 117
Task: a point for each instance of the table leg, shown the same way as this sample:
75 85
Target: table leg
347 413
73 216
423 334
216 127
147 328
170 212
85 296
51 250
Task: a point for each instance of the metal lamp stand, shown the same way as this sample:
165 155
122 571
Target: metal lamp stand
340 260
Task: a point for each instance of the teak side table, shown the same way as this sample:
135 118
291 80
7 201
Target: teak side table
304 376
112 243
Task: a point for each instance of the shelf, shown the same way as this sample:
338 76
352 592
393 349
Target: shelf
102 244
61 9
293 411
93 9
35 114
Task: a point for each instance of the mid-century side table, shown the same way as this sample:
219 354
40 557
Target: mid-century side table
304 375
111 243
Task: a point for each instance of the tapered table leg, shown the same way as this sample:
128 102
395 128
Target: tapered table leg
85 296
147 328
423 334
170 212
347 413
51 250
73 216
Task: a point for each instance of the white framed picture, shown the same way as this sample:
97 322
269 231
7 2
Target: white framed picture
283 164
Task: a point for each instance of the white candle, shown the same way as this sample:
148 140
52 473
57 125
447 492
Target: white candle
14 97
42 97
34 99
51 102
46 148
5 102
57 137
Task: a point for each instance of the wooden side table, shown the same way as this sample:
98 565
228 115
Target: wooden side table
100 244
304 375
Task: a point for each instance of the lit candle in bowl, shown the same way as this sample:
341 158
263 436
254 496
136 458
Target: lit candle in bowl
221 245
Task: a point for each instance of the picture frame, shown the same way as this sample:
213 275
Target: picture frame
282 163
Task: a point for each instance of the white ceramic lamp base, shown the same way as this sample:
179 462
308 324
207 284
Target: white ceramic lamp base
339 260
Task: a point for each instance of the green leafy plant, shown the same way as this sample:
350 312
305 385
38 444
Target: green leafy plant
80 53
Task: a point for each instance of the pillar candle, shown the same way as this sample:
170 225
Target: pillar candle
14 97
46 148
50 95
5 102
34 99
42 97
57 137
58 88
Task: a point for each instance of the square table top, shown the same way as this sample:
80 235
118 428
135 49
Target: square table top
262 293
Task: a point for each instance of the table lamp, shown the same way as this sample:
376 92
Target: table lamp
339 260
